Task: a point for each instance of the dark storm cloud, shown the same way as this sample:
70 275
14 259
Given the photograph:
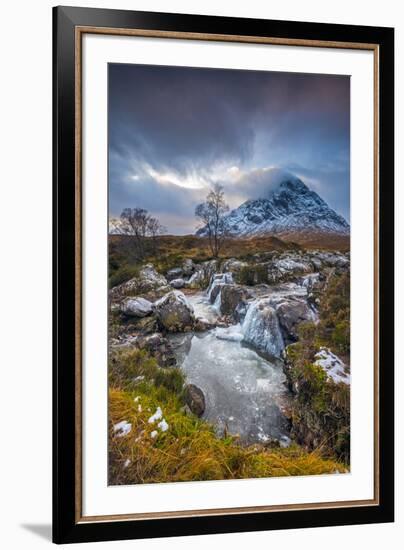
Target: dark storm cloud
173 131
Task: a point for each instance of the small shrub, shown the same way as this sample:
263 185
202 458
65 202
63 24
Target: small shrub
171 378
123 274
127 365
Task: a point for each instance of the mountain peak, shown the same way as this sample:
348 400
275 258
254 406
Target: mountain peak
289 207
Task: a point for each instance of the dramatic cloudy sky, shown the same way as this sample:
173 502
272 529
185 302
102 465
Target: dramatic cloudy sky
175 131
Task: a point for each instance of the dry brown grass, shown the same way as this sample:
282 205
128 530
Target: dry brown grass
190 450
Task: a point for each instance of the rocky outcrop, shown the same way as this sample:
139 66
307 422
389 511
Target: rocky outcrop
233 265
136 307
174 313
195 399
147 284
286 268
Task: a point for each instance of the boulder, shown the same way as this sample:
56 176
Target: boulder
159 347
177 283
287 267
195 399
232 296
290 313
196 280
233 265
147 284
136 307
261 328
217 280
188 267
174 313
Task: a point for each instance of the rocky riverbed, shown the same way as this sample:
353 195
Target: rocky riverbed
227 325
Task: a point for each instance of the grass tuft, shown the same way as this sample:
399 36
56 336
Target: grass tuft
190 450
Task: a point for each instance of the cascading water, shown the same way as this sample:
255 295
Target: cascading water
261 328
218 279
245 393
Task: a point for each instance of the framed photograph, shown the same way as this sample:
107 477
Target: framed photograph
223 274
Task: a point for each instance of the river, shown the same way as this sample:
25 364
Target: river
245 393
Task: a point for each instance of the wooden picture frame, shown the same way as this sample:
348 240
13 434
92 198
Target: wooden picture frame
70 24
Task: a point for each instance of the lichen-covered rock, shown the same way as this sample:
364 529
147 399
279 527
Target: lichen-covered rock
174 313
231 298
147 284
287 267
136 307
195 399
188 267
196 280
290 313
233 265
177 283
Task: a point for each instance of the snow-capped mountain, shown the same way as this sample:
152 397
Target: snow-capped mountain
290 207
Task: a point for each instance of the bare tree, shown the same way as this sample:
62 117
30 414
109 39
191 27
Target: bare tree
155 230
138 223
212 213
137 219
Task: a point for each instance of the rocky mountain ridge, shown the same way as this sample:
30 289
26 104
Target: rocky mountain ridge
290 207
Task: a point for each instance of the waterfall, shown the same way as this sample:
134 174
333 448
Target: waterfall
218 302
218 279
261 328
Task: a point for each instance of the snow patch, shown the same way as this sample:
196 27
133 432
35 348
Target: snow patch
122 428
163 425
156 416
333 366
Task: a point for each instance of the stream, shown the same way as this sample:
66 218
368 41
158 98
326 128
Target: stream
244 392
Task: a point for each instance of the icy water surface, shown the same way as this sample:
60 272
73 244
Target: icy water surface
244 392
202 306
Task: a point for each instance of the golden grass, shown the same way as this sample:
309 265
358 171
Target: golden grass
189 450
